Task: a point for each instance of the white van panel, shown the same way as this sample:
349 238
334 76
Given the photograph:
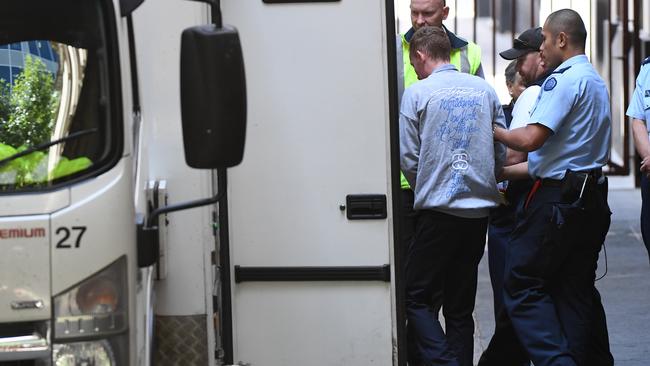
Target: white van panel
317 84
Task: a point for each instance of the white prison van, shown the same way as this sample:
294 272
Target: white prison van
124 238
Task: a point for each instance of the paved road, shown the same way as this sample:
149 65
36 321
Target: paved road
625 289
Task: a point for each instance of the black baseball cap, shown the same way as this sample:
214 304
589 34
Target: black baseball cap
528 41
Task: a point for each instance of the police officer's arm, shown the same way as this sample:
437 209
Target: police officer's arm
525 139
515 172
500 149
515 157
636 110
642 143
554 103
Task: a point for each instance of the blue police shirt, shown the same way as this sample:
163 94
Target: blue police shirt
639 107
574 105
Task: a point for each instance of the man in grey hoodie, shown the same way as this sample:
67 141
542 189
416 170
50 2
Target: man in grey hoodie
450 159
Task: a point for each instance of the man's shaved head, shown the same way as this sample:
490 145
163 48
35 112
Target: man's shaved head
569 22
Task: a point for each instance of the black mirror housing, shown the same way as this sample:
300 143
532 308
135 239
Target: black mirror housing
213 97
128 6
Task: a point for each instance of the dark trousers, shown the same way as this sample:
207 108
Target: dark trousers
408 219
504 348
443 258
551 262
498 237
408 222
645 211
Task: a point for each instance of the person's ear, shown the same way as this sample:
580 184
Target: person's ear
445 13
562 40
421 56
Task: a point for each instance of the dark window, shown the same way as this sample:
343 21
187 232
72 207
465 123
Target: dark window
5 73
82 30
46 50
33 48
55 56
15 71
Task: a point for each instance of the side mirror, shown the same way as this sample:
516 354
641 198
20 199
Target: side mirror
213 97
128 6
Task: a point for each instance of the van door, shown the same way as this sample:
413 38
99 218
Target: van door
310 211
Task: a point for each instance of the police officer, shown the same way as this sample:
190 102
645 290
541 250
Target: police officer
504 348
639 110
551 259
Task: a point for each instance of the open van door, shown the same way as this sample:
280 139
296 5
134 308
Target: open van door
310 208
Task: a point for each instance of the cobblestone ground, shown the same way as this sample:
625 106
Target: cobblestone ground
625 289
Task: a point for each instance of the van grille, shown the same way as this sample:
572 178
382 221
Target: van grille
39 333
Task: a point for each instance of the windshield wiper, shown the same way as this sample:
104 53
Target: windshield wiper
32 149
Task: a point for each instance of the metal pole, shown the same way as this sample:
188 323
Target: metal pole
513 19
532 13
474 20
456 16
626 82
494 38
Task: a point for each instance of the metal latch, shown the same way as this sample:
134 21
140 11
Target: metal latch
156 192
366 206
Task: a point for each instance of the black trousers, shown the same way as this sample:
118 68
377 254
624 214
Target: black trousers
550 297
504 348
408 225
443 258
645 211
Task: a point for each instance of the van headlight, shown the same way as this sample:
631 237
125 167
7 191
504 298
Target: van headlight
91 320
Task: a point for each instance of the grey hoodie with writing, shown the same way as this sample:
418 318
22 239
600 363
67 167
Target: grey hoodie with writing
447 151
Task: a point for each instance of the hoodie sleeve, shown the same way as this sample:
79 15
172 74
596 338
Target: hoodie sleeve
409 137
499 148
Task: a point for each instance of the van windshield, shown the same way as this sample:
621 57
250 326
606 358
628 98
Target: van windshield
55 96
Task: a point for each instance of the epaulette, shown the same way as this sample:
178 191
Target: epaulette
646 61
562 70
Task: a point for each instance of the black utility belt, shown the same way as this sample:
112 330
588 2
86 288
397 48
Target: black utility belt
574 183
571 176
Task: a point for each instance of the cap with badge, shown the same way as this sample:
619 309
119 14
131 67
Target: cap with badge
528 41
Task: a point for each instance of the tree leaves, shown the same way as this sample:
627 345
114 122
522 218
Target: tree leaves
28 108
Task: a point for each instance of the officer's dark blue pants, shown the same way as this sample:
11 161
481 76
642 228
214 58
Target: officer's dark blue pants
504 348
551 261
645 211
444 258
498 237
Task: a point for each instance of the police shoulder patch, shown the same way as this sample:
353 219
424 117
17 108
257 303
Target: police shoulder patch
550 84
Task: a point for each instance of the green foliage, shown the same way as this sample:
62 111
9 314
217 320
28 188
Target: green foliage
4 100
28 108
32 168
67 167
27 115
